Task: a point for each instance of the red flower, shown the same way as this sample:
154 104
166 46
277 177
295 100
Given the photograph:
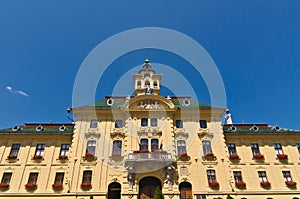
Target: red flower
30 186
86 185
240 184
209 154
282 156
265 184
234 156
116 154
136 151
213 184
258 156
89 155
290 183
11 157
183 155
37 157
4 185
63 157
144 151
57 186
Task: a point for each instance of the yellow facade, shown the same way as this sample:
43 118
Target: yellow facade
125 147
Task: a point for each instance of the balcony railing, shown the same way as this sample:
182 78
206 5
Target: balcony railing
144 155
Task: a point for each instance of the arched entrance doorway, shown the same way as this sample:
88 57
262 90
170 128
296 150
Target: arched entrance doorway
114 190
185 189
147 187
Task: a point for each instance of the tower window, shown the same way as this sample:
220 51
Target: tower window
179 124
155 84
139 84
118 124
203 124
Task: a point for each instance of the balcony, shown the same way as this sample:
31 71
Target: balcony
142 161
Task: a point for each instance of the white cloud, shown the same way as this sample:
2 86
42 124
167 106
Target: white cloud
19 92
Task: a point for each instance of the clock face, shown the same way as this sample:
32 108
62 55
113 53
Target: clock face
147 76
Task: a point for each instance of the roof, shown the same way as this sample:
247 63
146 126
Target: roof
40 128
256 129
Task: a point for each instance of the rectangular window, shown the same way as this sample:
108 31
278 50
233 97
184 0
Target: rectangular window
278 148
94 124
6 177
262 176
91 147
203 124
237 176
14 150
287 176
33 178
144 144
119 124
181 147
179 124
298 147
59 178
231 149
153 122
255 149
40 149
206 147
87 177
154 144
64 150
117 148
144 122
211 176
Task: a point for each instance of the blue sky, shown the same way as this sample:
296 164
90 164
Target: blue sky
255 45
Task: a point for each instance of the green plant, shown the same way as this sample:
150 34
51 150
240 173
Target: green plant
158 193
229 197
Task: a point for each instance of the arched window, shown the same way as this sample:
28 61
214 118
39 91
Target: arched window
181 148
206 147
91 147
117 148
138 84
147 83
155 84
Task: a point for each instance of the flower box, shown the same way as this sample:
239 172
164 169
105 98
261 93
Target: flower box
37 157
240 184
63 157
258 156
116 154
209 154
89 155
213 184
136 151
290 183
183 155
265 184
4 185
30 186
86 185
11 157
57 186
282 156
234 156
144 151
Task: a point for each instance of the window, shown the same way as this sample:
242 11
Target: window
118 124
59 178
64 150
155 84
40 149
139 84
117 148
144 122
211 175
147 76
179 124
94 124
33 178
147 83
14 150
154 144
181 147
206 147
287 176
255 149
262 176
6 177
91 147
298 147
203 124
144 144
237 176
231 149
153 122
278 149
87 177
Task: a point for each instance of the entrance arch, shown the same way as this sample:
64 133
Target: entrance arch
185 189
147 187
114 190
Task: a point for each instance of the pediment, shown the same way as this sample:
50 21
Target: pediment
150 102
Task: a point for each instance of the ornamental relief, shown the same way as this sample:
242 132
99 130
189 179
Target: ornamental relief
181 135
92 135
